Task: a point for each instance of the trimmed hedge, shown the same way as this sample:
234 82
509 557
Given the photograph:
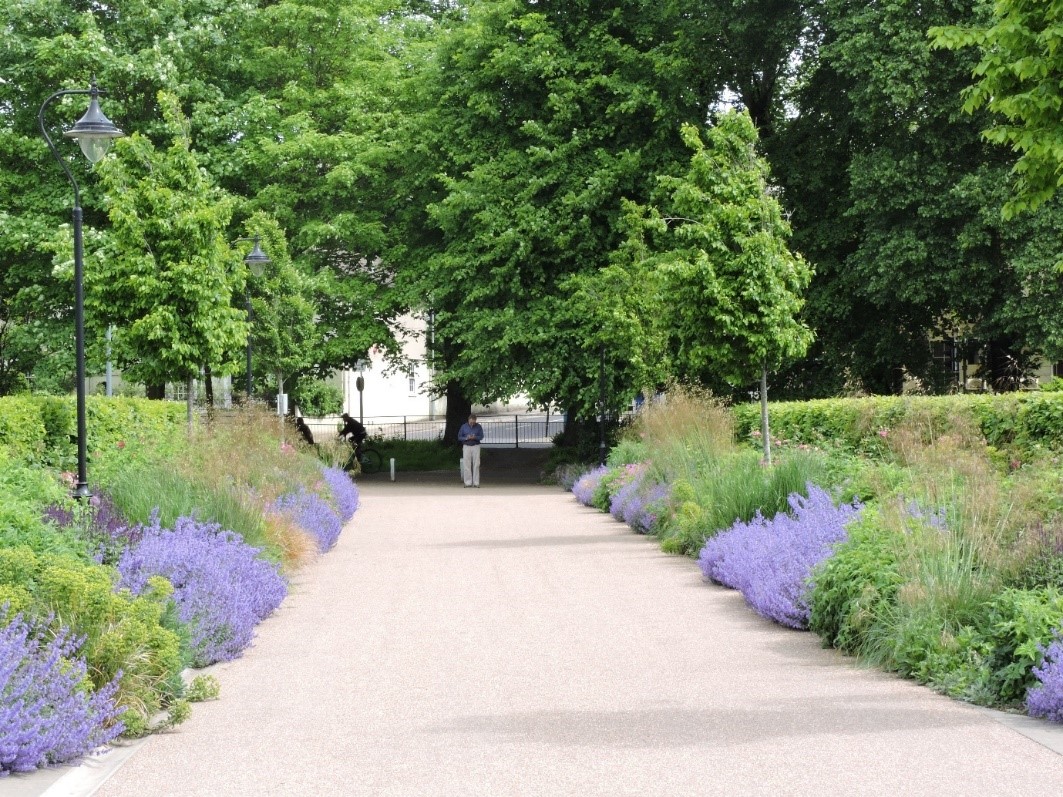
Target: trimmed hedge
41 429
1008 419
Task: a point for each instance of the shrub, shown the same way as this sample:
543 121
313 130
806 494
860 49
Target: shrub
132 638
221 587
22 430
770 561
316 398
850 591
587 485
48 714
314 515
733 488
640 501
343 491
1045 699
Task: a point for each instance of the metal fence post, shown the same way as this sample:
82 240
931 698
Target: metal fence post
516 431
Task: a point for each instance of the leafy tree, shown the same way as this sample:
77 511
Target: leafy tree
732 289
167 279
896 199
537 120
1019 77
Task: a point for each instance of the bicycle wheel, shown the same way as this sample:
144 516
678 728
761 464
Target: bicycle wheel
371 460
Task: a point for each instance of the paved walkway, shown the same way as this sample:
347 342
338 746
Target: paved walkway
507 642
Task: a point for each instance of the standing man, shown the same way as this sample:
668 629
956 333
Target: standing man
469 435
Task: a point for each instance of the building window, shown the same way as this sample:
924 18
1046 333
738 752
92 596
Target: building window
413 385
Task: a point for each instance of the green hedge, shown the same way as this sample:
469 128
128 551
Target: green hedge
42 429
1009 419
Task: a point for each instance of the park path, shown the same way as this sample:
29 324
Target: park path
508 642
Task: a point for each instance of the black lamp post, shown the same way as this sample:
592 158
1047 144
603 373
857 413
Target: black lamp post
94 132
256 261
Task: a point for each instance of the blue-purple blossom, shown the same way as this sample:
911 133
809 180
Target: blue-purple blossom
1046 698
100 522
344 492
222 587
313 514
585 486
47 715
770 561
638 502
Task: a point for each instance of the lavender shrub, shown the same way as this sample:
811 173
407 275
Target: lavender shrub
639 501
585 486
222 588
46 715
1046 699
770 561
344 492
100 523
313 514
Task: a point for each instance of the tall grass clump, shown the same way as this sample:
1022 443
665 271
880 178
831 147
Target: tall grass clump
684 429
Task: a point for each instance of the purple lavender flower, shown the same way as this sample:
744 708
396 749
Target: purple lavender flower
46 715
1046 699
222 588
585 486
344 492
100 523
770 561
638 502
311 512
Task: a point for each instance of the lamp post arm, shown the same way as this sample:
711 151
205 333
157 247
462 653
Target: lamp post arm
48 138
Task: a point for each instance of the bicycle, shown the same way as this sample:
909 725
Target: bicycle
367 459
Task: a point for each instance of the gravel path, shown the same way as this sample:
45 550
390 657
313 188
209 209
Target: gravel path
505 642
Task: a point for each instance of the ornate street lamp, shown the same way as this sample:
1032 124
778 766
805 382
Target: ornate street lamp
256 261
94 132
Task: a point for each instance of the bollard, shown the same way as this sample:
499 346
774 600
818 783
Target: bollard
393 468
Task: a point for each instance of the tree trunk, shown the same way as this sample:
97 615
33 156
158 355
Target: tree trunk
458 409
208 386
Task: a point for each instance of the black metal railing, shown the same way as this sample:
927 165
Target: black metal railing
499 430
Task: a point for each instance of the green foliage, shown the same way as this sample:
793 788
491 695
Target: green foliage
168 278
22 428
417 455
316 398
173 493
852 590
123 634
201 688
1018 78
991 663
1024 420
734 487
627 452
718 237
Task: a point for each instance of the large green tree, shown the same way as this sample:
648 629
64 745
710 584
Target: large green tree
1019 77
897 200
537 120
166 279
731 290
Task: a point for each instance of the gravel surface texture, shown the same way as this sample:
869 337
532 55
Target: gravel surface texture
506 641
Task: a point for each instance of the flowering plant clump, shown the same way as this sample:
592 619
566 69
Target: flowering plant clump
1046 699
344 492
770 561
314 515
222 588
639 502
101 524
47 715
585 486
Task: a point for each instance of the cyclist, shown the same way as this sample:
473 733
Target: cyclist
354 433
